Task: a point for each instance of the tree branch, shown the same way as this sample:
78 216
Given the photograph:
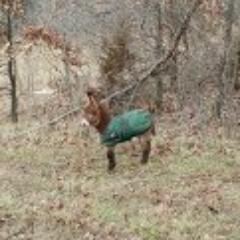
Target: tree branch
161 64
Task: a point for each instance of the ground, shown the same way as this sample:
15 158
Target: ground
55 185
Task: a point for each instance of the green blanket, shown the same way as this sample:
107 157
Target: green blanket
126 126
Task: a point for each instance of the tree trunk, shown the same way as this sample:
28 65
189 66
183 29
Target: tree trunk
223 72
174 22
158 53
236 74
67 77
11 66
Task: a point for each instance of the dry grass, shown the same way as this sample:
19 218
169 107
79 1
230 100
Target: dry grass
54 185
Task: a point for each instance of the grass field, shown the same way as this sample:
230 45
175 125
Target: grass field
54 185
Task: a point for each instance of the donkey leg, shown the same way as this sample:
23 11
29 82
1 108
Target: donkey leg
146 147
146 152
111 159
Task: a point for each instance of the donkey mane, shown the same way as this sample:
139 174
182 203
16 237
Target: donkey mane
104 117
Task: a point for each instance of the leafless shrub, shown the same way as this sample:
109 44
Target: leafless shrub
116 55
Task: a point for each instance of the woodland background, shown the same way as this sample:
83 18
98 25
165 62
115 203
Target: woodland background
70 45
181 56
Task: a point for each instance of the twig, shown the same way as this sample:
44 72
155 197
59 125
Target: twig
48 123
65 115
119 93
133 96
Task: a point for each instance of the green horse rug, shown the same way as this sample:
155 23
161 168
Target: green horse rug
124 127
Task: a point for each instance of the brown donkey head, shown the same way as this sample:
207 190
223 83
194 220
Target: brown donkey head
96 113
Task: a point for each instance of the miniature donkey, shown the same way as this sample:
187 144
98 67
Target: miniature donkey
122 128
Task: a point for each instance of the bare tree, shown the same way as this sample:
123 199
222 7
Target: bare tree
159 52
224 61
12 9
174 25
236 70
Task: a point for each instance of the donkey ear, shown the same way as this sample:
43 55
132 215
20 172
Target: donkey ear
91 92
92 98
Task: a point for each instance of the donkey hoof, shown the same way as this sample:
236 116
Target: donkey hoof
145 158
111 167
144 161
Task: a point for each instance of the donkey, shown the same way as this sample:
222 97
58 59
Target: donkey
114 130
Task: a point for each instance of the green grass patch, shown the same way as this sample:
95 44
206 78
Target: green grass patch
188 193
146 229
107 212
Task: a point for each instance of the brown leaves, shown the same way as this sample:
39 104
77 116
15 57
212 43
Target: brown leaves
53 39
17 7
33 33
